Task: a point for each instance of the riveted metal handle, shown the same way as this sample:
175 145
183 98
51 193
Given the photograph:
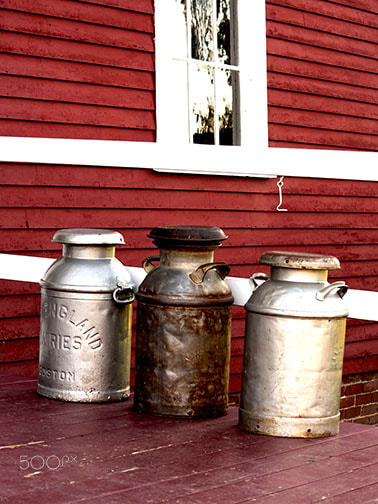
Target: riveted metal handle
199 274
341 287
147 263
260 276
123 295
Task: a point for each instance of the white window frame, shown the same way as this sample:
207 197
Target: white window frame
252 159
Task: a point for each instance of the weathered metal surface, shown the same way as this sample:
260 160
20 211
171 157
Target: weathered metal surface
293 353
300 260
184 327
85 339
182 356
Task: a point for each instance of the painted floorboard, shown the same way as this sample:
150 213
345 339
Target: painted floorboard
52 451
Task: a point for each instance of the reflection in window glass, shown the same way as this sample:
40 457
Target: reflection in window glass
224 31
202 30
202 104
212 70
225 106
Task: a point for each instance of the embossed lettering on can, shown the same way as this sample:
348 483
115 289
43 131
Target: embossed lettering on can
86 304
77 347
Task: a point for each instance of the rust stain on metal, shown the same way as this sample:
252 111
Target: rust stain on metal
182 360
184 327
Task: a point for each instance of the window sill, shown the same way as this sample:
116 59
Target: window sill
262 162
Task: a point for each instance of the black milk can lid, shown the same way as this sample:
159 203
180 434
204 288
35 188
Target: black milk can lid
88 237
188 235
299 260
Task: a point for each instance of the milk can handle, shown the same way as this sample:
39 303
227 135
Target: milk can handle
261 276
147 263
340 286
199 274
123 295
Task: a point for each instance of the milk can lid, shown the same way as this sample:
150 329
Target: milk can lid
189 235
88 237
299 260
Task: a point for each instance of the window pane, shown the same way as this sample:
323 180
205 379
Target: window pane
224 31
202 104
227 107
202 30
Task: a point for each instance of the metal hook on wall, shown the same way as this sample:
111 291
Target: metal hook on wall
279 185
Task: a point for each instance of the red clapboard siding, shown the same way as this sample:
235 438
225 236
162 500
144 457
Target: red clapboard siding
362 332
55 49
322 74
82 12
325 137
10 287
92 177
311 36
365 5
312 19
55 218
242 243
19 306
321 55
18 328
21 368
137 5
73 72
336 98
86 70
334 75
321 120
35 110
332 10
48 90
353 366
333 217
19 350
77 70
304 145
73 30
76 197
355 349
54 130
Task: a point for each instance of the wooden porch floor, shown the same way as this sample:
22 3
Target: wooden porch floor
56 452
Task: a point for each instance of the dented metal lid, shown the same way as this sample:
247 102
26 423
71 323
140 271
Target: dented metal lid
299 260
188 235
88 237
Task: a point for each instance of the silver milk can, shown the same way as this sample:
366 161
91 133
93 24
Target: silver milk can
86 306
294 347
183 326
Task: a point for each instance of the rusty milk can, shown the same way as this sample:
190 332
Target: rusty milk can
85 337
294 347
183 326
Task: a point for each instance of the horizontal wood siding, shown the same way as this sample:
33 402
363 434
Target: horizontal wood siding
325 216
80 69
323 74
75 69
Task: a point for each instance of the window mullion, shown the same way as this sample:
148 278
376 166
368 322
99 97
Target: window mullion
215 53
189 65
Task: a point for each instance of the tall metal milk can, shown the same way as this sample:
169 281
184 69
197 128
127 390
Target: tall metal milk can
183 326
85 337
294 347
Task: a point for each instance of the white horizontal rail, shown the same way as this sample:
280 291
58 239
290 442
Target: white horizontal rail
361 304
